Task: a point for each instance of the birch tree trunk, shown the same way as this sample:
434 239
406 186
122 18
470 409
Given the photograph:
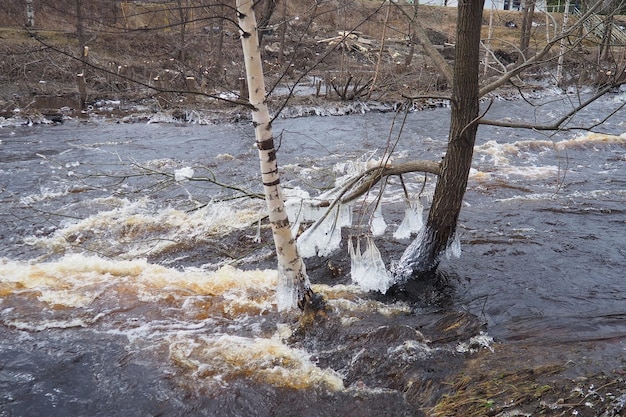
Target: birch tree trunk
30 14
293 287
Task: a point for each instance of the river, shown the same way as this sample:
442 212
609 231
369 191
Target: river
128 289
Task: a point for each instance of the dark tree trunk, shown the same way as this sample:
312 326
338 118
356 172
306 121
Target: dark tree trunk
422 256
528 12
607 37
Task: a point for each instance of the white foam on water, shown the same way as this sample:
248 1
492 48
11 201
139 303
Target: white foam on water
498 152
133 229
576 195
220 359
531 171
411 350
501 152
590 139
183 306
476 343
83 287
47 324
45 194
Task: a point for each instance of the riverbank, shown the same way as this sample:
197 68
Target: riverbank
132 69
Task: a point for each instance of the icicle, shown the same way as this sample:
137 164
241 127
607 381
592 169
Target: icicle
294 212
356 259
455 247
378 225
323 238
257 237
412 222
344 218
286 291
368 269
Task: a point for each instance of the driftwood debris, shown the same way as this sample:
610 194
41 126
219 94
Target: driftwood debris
350 41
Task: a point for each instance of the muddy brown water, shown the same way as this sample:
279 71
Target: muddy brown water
128 291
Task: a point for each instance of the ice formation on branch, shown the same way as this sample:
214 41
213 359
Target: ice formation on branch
324 236
378 225
412 222
367 268
183 174
455 247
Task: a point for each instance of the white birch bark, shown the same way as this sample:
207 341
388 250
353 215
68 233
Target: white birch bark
293 286
30 14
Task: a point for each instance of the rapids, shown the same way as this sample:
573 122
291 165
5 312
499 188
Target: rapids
132 282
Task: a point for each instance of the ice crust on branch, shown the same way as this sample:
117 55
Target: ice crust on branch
183 174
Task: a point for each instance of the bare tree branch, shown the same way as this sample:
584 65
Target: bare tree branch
40 39
373 175
539 55
558 124
428 46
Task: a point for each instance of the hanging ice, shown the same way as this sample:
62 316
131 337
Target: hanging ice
322 238
368 269
412 222
455 247
378 225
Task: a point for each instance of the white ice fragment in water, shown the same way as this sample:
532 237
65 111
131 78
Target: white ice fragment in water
367 268
322 238
183 174
455 247
412 222
378 225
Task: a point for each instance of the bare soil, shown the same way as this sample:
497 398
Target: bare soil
143 54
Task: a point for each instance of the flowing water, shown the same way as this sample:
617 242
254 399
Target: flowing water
133 283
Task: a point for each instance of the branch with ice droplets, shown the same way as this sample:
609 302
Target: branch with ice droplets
371 176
